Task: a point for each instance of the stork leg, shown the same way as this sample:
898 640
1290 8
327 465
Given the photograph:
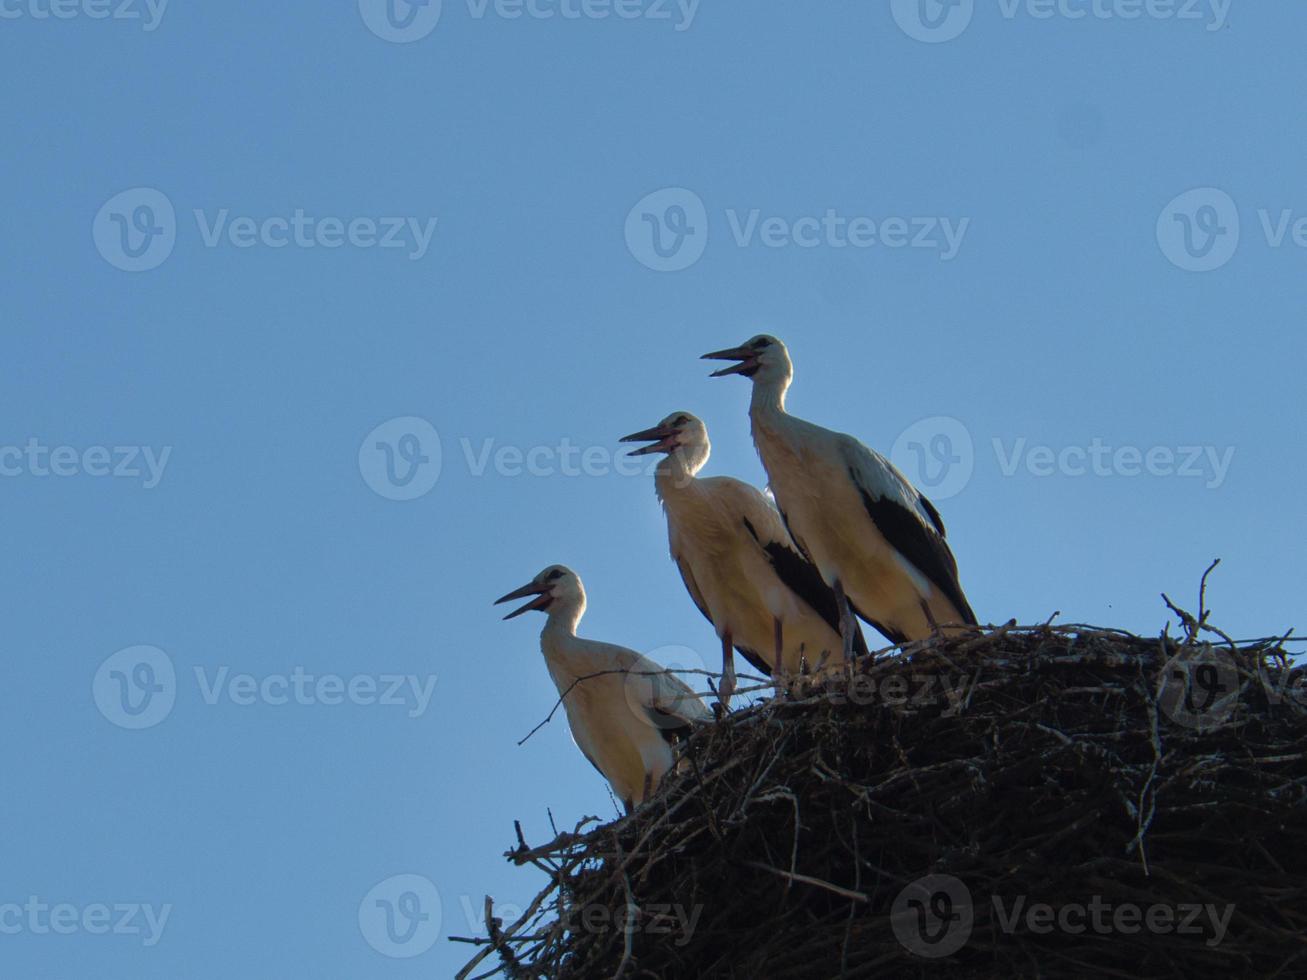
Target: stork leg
848 625
930 618
778 634
727 686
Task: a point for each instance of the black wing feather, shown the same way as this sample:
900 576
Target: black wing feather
802 578
927 550
671 733
935 519
755 661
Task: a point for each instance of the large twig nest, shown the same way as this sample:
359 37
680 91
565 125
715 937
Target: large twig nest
1047 801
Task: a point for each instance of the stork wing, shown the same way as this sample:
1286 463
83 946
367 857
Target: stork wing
798 574
908 521
672 706
588 759
692 587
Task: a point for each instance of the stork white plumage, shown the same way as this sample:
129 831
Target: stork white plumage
877 541
625 710
738 563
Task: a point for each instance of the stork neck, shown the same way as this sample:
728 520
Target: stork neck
564 616
675 472
768 397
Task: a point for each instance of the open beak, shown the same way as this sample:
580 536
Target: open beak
660 435
746 357
531 588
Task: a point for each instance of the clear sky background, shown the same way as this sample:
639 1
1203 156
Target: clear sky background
533 317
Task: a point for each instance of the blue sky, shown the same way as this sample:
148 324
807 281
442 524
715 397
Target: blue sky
1102 372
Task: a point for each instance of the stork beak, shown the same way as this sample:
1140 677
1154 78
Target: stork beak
745 356
531 588
660 435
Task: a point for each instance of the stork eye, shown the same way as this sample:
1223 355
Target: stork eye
761 342
680 420
555 574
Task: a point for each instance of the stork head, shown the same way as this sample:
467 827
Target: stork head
680 434
557 585
763 358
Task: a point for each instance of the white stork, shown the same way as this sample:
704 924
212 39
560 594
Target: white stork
738 563
625 711
877 541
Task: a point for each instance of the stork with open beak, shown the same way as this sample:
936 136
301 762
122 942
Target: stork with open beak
626 712
877 541
738 563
